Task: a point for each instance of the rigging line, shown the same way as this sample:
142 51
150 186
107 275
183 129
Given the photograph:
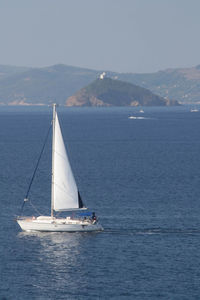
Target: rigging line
31 181
35 208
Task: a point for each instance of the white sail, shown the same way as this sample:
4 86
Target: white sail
64 189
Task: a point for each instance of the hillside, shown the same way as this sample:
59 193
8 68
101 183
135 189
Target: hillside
182 84
44 85
6 71
109 92
20 85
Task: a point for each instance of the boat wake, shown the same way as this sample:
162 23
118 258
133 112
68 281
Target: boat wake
151 231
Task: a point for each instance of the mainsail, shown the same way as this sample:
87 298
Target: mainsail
64 188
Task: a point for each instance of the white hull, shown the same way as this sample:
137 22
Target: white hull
57 225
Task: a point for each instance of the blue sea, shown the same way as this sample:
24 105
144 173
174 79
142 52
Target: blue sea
142 178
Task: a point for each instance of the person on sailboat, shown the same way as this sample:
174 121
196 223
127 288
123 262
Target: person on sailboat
94 218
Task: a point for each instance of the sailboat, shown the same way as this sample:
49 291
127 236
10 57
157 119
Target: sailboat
65 196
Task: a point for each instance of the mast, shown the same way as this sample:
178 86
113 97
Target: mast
53 150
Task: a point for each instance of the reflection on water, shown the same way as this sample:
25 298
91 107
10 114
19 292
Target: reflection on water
59 258
56 248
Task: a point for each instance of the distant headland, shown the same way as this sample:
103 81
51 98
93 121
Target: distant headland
111 92
68 85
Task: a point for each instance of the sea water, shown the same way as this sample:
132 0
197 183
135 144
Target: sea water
142 178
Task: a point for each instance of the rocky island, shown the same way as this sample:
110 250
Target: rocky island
110 92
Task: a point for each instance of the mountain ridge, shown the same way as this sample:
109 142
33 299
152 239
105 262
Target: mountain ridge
25 86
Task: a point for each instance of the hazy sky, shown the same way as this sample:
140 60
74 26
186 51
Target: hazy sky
118 35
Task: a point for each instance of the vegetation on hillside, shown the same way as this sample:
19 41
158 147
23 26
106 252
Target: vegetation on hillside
44 85
21 85
109 92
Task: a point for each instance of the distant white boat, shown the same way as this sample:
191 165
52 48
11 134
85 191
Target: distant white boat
194 110
141 111
136 118
64 194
